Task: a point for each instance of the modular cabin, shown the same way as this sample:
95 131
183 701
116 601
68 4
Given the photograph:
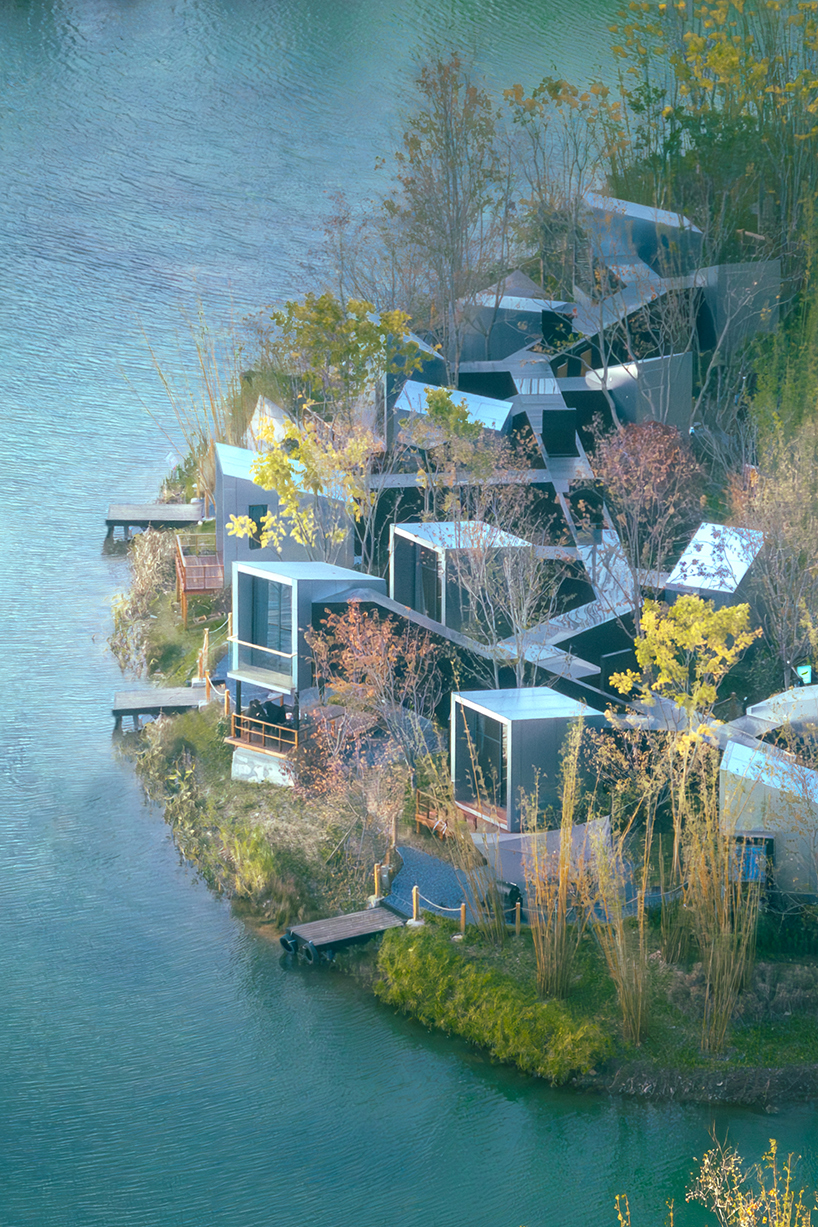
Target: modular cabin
237 494
505 748
273 608
716 565
427 563
768 798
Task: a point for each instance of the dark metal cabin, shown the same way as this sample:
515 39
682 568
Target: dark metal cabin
273 610
506 745
425 563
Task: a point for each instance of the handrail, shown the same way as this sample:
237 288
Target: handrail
426 814
259 648
261 733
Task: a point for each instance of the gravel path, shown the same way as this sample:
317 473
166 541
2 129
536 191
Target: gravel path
440 885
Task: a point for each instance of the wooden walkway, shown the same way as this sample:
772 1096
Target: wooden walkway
153 702
152 515
320 937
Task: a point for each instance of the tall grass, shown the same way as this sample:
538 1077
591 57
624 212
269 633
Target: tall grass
723 909
555 912
152 572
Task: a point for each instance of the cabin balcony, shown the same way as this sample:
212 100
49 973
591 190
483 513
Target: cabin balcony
261 666
279 740
198 569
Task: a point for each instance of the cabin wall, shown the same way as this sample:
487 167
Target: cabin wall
752 804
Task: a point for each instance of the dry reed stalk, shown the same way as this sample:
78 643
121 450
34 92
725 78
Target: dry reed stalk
553 883
215 411
622 940
724 910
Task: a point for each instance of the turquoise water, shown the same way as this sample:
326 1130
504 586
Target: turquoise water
158 1064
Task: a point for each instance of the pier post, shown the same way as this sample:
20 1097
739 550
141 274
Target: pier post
462 918
517 911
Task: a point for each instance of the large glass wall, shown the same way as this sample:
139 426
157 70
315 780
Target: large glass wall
481 763
265 651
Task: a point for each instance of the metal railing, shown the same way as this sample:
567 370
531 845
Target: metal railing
242 643
261 735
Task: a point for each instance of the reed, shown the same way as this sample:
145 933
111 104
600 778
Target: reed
214 404
723 909
553 882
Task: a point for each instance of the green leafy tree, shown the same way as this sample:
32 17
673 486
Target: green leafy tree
334 353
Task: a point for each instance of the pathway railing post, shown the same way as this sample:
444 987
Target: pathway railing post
415 903
517 912
462 918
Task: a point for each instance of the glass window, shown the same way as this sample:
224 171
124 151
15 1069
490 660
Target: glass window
257 512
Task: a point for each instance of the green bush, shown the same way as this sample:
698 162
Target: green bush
424 974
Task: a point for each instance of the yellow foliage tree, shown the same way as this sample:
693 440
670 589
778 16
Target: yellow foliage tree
322 484
684 651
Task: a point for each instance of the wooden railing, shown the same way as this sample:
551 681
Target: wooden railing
197 564
198 569
431 814
261 735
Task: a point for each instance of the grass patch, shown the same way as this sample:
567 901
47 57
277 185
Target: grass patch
172 650
425 974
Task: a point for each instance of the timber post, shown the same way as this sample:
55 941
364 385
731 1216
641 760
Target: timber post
415 904
462 918
517 917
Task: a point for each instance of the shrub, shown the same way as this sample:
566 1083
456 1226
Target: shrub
422 973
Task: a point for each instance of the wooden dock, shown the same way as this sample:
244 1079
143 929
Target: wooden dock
152 515
321 937
155 702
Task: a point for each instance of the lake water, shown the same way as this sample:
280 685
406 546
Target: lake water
158 1064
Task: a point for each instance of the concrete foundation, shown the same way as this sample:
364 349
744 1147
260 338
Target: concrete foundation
256 768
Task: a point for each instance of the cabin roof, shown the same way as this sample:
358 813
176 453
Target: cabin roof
765 764
717 558
297 571
627 208
491 414
235 461
529 703
460 535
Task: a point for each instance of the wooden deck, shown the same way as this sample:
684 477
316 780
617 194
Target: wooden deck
339 931
152 515
155 702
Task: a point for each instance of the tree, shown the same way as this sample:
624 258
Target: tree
719 118
388 670
334 353
783 504
765 1193
686 650
453 199
564 140
322 466
322 486
452 451
653 489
